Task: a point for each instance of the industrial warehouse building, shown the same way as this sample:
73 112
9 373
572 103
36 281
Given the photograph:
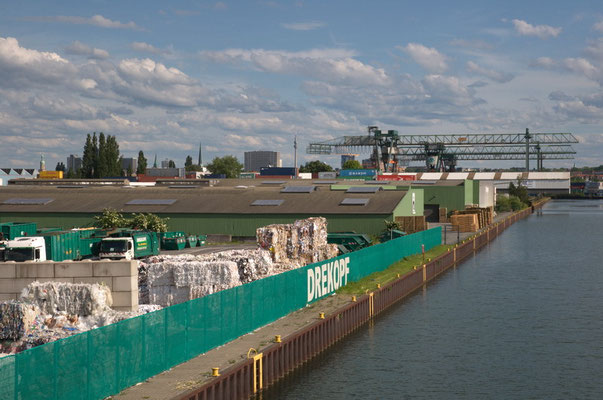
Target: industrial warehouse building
236 210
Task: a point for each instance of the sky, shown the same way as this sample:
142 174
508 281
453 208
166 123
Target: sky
238 76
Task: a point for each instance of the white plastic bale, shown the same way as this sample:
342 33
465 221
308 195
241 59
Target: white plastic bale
16 319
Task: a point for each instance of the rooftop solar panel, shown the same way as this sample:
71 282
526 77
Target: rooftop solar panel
298 189
22 201
267 202
354 202
151 202
363 189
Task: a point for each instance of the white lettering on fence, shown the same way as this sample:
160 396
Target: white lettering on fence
328 277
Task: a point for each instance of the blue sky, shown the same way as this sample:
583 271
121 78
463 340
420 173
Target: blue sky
248 75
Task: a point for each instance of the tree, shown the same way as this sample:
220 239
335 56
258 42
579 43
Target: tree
142 163
60 166
315 166
89 157
351 164
70 174
148 222
171 164
227 165
101 169
110 219
112 157
189 166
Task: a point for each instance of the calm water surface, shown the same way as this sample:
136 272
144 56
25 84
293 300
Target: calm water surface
523 319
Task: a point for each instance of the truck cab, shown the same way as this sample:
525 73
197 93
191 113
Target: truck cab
30 248
117 248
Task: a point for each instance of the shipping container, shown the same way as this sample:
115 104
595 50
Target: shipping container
247 175
327 175
51 175
281 171
12 230
62 245
357 173
396 177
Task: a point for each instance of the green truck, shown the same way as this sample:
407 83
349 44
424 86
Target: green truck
129 245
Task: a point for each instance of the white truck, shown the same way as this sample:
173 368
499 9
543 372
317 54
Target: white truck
28 248
118 248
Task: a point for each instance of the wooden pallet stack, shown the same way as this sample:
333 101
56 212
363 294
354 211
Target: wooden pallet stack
412 224
484 216
465 222
443 215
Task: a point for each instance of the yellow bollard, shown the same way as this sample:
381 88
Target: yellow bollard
414 267
277 338
321 315
398 275
378 286
215 372
354 299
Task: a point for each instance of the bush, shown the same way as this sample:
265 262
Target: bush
503 204
110 219
516 203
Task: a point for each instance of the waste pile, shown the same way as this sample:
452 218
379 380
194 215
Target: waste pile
302 242
54 310
171 279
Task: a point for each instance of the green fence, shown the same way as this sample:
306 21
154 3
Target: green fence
104 361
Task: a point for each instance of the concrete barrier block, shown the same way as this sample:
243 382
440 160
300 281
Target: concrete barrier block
72 269
8 270
8 296
35 270
115 268
125 299
125 283
14 285
107 281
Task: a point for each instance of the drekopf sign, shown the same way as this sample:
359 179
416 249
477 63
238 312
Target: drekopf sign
327 278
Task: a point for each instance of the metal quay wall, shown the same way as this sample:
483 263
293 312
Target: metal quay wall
102 362
248 378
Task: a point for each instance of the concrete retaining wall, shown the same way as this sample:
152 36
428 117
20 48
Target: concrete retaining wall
120 276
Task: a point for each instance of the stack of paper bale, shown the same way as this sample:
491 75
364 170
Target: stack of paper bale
16 319
179 279
70 298
303 242
464 222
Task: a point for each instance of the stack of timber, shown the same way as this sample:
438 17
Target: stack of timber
464 222
443 215
411 224
483 217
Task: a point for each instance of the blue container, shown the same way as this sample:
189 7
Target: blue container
277 171
216 176
359 173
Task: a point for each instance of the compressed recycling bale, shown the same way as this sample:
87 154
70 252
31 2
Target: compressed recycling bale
16 319
71 298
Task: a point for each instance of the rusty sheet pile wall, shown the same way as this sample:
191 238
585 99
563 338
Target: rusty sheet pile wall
244 379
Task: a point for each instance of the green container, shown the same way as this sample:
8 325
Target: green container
191 241
90 246
174 243
145 244
61 246
350 240
12 230
47 230
201 240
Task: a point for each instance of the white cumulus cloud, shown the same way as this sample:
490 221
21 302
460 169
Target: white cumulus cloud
427 57
95 20
333 65
497 76
541 31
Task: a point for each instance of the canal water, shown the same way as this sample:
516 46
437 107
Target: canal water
522 319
